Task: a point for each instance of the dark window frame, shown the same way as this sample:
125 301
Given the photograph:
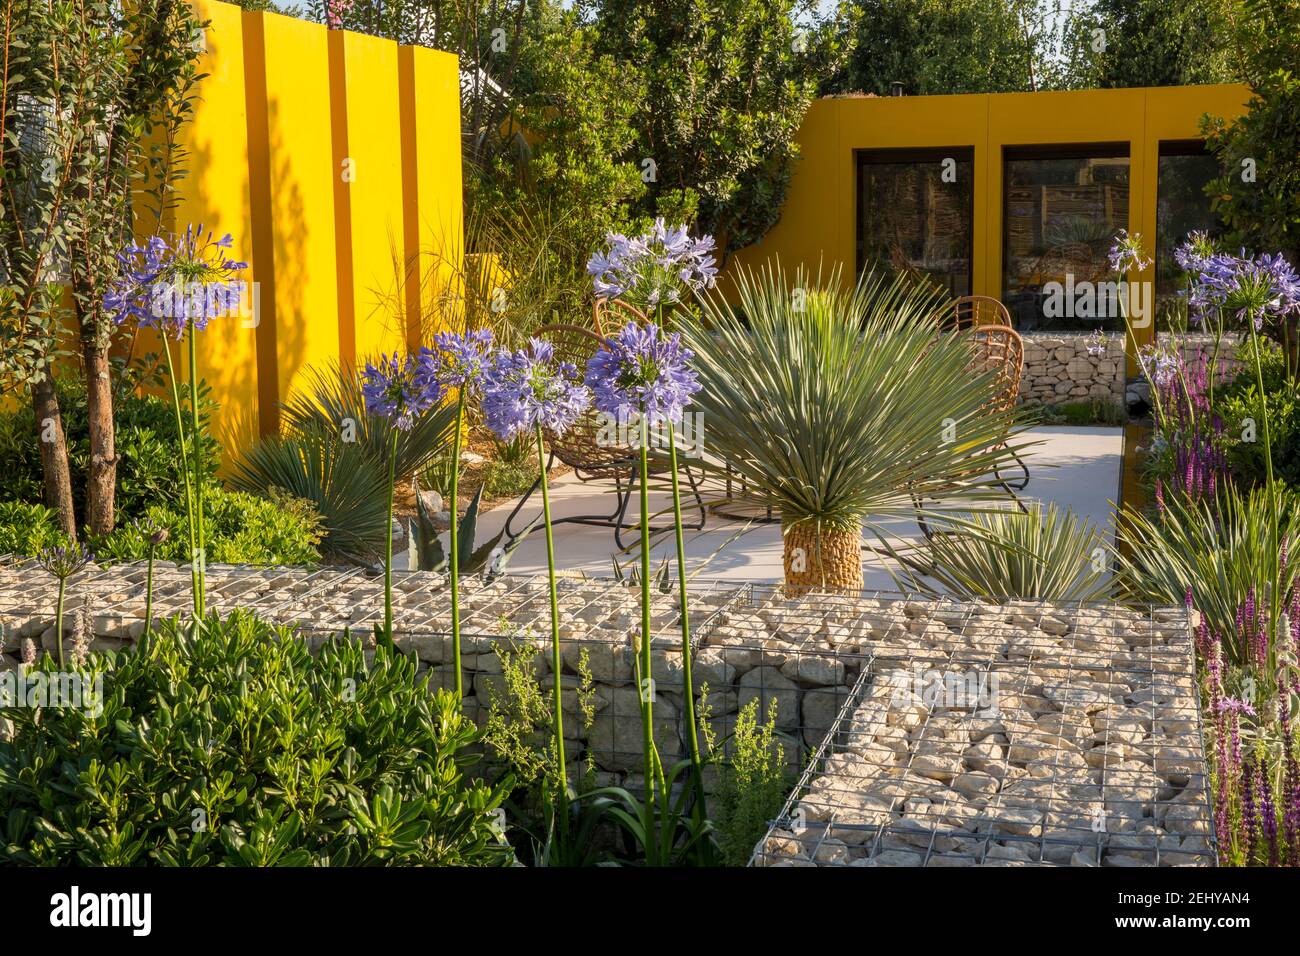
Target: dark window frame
910 154
1110 149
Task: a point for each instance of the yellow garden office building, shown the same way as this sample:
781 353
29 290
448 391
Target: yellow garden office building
1003 194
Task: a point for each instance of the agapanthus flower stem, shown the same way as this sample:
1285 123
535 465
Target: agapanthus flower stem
692 735
185 466
198 556
647 683
58 619
388 554
1273 551
561 774
148 592
454 561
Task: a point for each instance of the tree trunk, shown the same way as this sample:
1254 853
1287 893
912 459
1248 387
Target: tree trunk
829 561
54 455
101 481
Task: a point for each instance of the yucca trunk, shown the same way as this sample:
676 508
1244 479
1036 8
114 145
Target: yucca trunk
821 560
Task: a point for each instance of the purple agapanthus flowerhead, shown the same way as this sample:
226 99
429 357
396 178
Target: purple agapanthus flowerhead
528 387
177 282
1195 251
399 390
642 371
1126 253
1253 290
651 270
63 561
463 358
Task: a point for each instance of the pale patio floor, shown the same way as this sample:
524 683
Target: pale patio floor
1077 468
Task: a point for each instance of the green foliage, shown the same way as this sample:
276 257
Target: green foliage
336 456
728 83
1239 400
519 738
1219 548
241 529
1150 43
753 784
1263 213
28 529
1046 555
939 46
238 747
830 404
1095 411
148 449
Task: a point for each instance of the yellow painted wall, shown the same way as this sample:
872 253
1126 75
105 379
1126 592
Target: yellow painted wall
375 193
818 221
283 102
215 192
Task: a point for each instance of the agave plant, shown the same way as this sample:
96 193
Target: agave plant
1044 554
1218 549
427 553
835 404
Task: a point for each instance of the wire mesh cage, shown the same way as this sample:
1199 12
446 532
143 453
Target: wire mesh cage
921 731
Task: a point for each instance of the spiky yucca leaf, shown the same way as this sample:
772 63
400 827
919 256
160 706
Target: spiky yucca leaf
342 479
1046 555
1218 548
837 403
332 398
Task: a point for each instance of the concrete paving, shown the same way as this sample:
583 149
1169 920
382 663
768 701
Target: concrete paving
1078 468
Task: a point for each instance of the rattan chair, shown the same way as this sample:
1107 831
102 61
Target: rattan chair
972 311
996 349
583 447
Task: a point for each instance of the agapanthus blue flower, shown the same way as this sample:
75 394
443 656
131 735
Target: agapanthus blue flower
463 358
64 561
1162 366
177 282
1126 253
528 387
400 391
1251 289
652 269
642 371
1097 344
1194 252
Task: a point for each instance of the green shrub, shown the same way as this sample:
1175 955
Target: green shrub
504 479
753 783
241 529
1240 400
147 445
239 747
27 529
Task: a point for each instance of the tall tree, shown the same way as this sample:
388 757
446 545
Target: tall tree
1119 43
944 46
727 85
36 151
109 85
1258 195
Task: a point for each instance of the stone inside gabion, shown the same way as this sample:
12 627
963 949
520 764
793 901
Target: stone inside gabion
940 733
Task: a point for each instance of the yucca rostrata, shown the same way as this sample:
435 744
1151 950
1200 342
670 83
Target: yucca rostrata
838 404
